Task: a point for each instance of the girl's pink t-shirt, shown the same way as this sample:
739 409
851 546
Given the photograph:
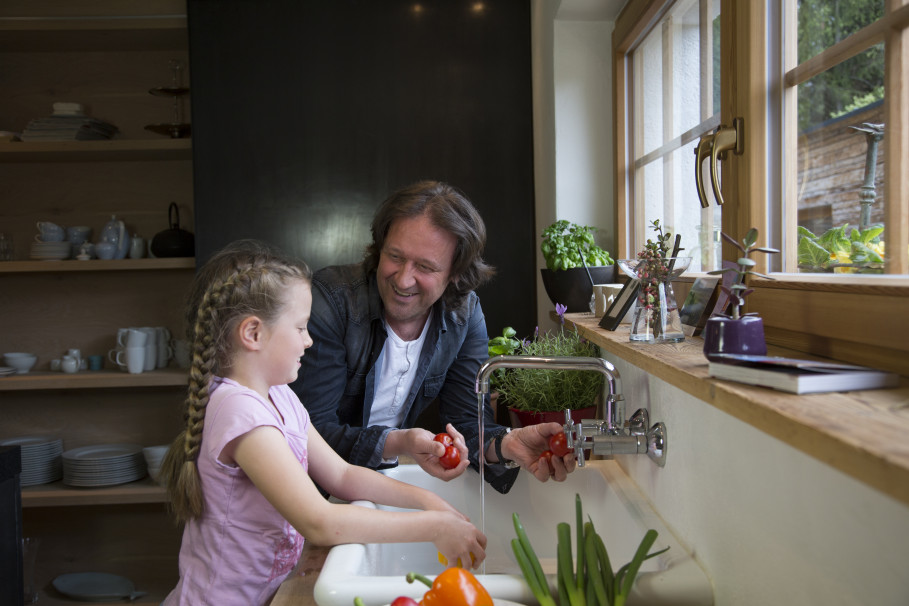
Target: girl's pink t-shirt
241 549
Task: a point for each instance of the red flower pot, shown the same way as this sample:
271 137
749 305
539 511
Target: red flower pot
523 418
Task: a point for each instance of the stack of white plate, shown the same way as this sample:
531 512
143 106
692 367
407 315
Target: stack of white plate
41 462
7 370
103 465
51 251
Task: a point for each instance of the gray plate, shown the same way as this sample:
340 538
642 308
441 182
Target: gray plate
96 587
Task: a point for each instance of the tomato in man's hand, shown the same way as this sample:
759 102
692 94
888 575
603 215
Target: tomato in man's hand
558 444
444 438
451 458
547 454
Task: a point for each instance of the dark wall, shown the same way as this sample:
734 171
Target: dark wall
306 115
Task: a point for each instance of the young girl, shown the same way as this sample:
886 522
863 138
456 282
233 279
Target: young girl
243 473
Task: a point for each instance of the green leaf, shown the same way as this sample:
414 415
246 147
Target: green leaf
812 253
745 261
750 238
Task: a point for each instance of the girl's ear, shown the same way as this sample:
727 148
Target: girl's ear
250 333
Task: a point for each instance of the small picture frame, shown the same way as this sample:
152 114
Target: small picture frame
722 299
699 305
620 306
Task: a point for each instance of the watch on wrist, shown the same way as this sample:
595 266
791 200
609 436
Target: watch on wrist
508 463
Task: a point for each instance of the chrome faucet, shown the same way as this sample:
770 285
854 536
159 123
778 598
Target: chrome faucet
610 436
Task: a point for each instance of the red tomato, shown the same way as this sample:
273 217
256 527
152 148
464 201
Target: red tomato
451 458
405 601
444 438
547 454
558 444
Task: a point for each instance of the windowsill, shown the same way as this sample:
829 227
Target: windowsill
861 433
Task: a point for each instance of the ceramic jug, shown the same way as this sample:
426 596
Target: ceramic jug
114 232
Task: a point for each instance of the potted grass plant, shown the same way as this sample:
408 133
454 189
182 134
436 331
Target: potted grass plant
535 395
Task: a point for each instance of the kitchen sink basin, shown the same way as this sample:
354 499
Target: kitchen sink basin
620 513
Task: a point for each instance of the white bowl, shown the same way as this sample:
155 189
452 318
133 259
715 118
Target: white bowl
154 455
22 362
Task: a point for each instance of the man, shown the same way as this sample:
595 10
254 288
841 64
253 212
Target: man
403 328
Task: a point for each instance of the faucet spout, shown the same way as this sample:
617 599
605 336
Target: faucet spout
613 401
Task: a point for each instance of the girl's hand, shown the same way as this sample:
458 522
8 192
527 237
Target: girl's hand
426 451
458 538
525 445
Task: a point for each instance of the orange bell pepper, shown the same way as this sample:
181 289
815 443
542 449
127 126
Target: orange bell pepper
453 587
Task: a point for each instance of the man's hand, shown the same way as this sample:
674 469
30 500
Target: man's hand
525 446
420 445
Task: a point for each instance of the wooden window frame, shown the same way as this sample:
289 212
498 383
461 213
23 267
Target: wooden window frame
857 318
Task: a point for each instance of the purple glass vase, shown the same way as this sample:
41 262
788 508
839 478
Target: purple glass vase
728 336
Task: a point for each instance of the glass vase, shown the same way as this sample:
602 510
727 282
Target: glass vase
656 316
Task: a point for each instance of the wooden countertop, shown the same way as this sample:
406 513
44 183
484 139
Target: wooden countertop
861 433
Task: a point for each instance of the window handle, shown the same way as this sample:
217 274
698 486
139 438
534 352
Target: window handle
702 152
715 146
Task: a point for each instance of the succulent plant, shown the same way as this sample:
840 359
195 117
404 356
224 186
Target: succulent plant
738 290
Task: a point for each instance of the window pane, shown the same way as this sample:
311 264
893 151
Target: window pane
676 87
823 23
841 167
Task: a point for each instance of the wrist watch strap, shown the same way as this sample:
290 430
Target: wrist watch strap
508 463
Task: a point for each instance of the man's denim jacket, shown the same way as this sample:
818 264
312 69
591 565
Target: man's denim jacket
336 382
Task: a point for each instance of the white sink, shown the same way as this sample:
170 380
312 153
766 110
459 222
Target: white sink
620 513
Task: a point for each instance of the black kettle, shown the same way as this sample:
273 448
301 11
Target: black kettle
173 242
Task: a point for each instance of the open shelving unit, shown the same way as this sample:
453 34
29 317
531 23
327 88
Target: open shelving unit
107 55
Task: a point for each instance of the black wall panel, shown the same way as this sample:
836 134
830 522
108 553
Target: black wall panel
307 114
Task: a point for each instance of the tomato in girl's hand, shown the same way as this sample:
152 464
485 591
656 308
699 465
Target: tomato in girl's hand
444 438
405 601
558 444
451 458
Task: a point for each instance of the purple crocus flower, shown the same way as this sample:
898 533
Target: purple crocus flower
560 310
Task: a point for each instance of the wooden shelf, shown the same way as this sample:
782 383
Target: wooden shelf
100 379
57 494
96 26
114 150
860 433
12 267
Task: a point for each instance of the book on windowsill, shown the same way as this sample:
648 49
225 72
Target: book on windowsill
798 376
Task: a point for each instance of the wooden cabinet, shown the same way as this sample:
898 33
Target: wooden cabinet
106 55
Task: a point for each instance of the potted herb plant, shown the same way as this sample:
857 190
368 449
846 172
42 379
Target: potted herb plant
535 395
570 252
738 332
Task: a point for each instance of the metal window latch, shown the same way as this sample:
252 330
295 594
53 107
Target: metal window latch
714 146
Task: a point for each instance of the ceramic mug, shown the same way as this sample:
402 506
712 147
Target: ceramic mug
50 232
136 247
132 358
131 337
164 350
151 347
182 353
604 295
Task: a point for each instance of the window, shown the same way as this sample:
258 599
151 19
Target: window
812 81
676 84
835 89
